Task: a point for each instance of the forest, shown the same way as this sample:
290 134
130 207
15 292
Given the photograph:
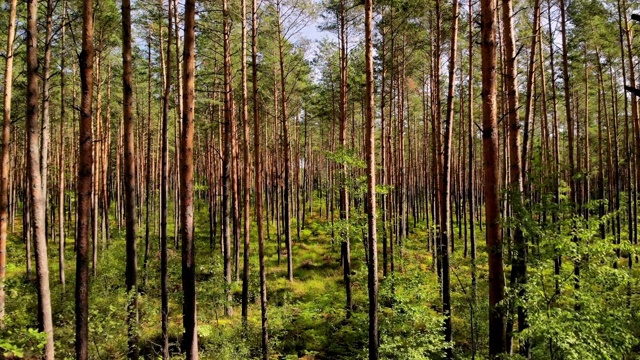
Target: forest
320 179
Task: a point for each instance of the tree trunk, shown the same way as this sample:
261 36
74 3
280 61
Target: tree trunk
497 341
45 135
570 136
227 166
372 278
286 213
84 185
471 184
190 342
164 190
445 185
519 256
4 155
344 200
147 192
37 203
258 179
129 183
61 163
246 168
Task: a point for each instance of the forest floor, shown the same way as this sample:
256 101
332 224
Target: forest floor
306 317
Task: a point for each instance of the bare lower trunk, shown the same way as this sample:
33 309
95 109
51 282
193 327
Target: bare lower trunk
61 167
258 179
227 166
36 196
129 183
4 155
246 169
497 341
445 186
519 256
190 343
372 269
164 193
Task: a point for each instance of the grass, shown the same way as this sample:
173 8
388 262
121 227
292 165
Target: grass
306 317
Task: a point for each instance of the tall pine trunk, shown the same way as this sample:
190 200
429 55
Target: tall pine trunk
257 159
370 141
227 165
445 185
4 155
84 184
246 168
129 183
37 203
164 191
519 249
61 163
497 340
190 342
344 199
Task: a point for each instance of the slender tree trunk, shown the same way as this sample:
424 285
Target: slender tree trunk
570 126
178 125
258 179
286 148
147 192
129 183
519 255
556 142
531 77
383 133
61 163
84 185
344 200
372 278
164 190
471 184
497 341
4 155
445 185
227 166
190 343
246 168
96 164
37 203
45 135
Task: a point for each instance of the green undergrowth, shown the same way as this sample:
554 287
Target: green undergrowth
307 317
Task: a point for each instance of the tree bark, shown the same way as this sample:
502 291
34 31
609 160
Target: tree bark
164 190
258 179
372 277
246 168
286 213
470 185
84 185
129 183
147 170
45 135
445 185
519 249
61 163
227 166
37 203
190 343
6 148
344 200
497 340
570 135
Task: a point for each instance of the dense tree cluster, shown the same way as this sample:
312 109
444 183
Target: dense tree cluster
226 185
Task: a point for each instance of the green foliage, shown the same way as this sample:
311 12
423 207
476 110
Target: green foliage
410 329
21 343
